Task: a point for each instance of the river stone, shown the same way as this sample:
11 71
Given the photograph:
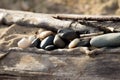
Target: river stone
70 35
47 41
23 43
74 43
106 40
45 34
50 47
35 43
58 41
85 42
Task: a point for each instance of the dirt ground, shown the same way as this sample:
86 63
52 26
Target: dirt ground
95 7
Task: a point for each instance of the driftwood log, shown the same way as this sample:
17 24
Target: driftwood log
81 63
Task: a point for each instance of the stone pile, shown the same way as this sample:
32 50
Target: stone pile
48 40
68 38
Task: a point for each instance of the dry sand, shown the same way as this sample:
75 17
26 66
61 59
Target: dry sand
10 35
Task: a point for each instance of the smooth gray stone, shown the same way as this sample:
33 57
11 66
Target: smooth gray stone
50 47
106 40
58 41
36 43
70 35
47 41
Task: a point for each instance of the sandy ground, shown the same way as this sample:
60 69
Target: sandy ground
10 35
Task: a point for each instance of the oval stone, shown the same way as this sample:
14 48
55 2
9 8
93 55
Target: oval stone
50 47
45 34
23 43
47 41
36 43
74 43
70 35
106 40
85 42
58 41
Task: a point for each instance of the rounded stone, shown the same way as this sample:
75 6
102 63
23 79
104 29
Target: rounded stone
45 34
50 47
58 41
74 43
70 35
106 40
36 43
23 43
47 41
85 42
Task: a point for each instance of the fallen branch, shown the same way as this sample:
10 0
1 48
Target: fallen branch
34 19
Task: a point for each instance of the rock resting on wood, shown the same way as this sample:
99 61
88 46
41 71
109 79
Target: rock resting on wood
79 26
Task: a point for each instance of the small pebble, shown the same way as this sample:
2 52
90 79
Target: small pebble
58 41
45 34
74 43
23 43
85 42
36 43
70 35
50 47
47 41
106 40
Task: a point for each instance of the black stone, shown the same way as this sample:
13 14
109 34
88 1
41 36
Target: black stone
47 41
85 42
68 35
58 41
35 43
50 47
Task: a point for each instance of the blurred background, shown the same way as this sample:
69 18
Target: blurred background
95 7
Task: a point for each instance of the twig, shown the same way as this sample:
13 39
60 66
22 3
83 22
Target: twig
87 17
102 28
91 34
34 19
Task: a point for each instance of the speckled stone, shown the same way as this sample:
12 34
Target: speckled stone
36 43
50 47
45 34
58 41
47 41
106 40
74 43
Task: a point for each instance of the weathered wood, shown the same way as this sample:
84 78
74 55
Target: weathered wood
74 51
34 19
87 17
